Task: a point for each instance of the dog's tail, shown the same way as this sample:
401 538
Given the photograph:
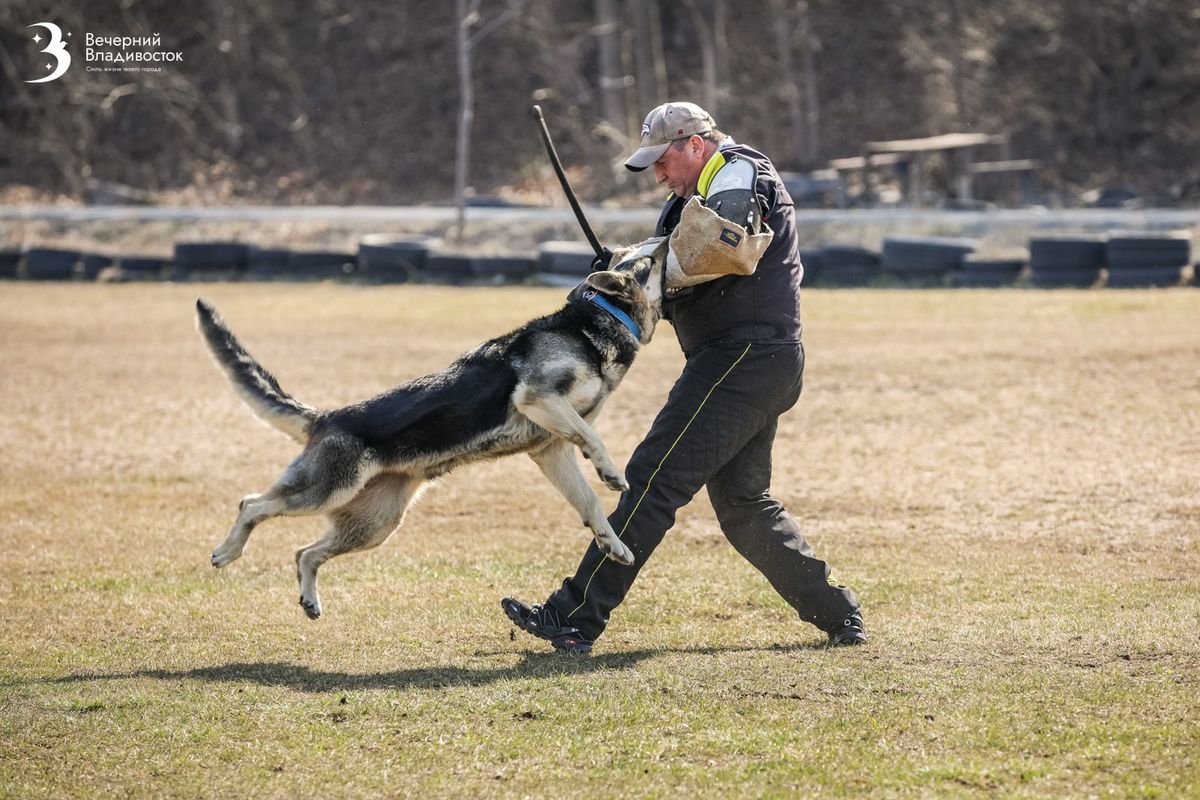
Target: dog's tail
256 386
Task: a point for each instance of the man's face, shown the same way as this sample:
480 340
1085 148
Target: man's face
680 166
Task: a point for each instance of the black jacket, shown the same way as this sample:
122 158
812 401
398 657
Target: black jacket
763 307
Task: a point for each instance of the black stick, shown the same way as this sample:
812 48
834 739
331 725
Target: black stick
562 179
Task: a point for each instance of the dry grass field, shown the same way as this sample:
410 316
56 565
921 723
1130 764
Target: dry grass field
1009 479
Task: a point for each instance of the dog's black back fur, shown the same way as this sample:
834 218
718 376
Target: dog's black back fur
449 411
458 405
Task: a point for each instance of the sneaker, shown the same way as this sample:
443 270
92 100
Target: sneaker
850 632
545 622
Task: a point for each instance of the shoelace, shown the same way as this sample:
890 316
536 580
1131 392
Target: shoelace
545 616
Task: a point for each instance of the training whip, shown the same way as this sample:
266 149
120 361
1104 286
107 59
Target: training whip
566 187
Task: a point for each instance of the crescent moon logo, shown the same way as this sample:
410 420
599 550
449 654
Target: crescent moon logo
57 48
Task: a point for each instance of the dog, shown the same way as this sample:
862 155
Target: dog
534 390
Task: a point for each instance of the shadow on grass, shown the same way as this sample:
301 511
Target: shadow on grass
306 679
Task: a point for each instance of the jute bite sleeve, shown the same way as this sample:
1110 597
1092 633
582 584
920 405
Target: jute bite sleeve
705 247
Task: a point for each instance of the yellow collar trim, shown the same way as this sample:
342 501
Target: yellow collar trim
710 170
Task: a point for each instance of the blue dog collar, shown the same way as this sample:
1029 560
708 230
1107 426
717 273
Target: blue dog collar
621 316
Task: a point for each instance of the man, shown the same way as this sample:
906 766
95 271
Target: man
740 334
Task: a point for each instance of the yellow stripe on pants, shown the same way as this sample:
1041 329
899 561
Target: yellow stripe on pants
650 482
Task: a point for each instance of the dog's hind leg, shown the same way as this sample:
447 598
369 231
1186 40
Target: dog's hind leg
326 475
557 462
253 509
552 411
363 523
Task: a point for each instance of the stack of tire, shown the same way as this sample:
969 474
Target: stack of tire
49 264
208 261
140 268
564 263
1147 259
924 260
267 264
388 258
10 260
502 268
453 269
319 265
975 272
1071 261
847 265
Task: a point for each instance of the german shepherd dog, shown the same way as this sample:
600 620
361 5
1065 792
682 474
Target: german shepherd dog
533 391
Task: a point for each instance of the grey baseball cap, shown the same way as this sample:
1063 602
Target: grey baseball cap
665 124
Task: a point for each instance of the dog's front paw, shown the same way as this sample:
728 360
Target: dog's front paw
617 551
224 556
613 479
311 606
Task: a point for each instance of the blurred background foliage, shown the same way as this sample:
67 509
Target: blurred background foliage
358 101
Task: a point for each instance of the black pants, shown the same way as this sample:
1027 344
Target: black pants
716 430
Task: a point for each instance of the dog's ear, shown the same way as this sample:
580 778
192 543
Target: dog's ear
615 284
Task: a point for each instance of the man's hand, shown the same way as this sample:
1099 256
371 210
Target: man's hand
602 261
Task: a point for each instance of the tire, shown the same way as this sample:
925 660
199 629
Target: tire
45 264
1079 251
1064 277
448 268
565 258
846 265
1147 260
210 257
979 273
1150 240
1167 250
93 263
983 279
1138 277
142 269
975 264
319 264
10 261
848 254
503 269
810 263
393 259
266 264
924 255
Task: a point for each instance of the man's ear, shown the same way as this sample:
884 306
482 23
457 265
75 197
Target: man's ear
616 284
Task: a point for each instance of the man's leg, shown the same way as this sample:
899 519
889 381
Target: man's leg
724 396
759 527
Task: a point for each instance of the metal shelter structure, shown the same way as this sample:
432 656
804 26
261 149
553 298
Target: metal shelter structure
910 157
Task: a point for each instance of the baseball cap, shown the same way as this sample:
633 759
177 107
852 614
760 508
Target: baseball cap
665 124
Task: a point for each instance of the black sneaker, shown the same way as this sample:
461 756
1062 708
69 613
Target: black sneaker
545 622
850 632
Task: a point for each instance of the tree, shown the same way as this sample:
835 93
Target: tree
466 17
803 103
708 19
650 65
